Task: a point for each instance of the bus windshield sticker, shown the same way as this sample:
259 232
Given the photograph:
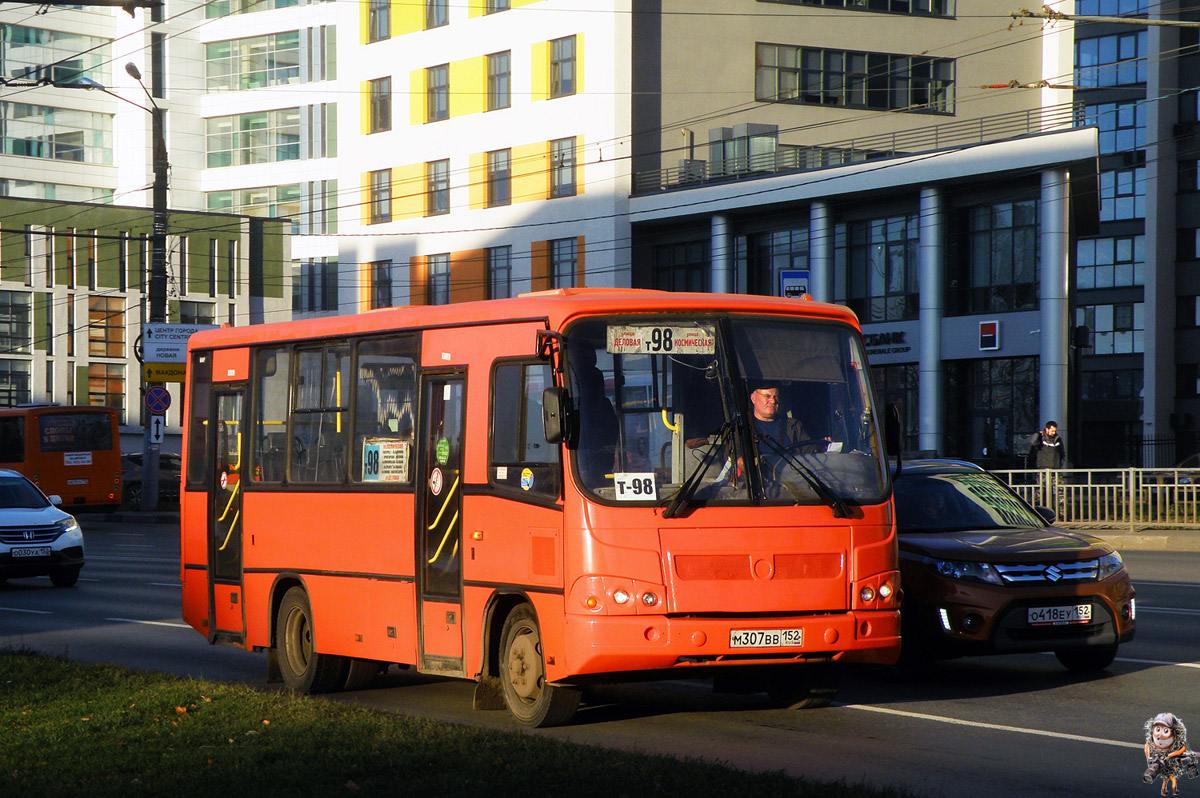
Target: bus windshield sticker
385 460
635 486
526 479
662 340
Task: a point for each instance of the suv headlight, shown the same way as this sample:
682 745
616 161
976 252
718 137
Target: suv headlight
1109 564
972 571
67 525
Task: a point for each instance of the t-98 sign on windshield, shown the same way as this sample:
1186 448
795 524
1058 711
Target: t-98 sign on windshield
661 340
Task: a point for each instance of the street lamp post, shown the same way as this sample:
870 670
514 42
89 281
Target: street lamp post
157 289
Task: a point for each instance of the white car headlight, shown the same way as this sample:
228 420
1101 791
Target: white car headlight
973 571
67 525
1109 564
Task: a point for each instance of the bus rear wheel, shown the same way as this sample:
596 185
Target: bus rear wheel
303 669
530 699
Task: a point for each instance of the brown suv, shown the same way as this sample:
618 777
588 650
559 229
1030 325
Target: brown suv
984 573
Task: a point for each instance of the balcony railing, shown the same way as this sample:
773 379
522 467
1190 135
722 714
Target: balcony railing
790 158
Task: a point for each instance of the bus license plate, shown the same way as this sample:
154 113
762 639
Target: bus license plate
765 638
77 482
40 551
1053 616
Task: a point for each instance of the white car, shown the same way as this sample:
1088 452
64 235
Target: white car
36 538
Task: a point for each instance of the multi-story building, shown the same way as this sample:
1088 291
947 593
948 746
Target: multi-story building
437 152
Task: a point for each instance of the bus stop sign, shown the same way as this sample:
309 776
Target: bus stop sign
158 399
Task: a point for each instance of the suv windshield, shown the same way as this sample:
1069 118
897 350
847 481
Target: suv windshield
954 502
19 493
676 410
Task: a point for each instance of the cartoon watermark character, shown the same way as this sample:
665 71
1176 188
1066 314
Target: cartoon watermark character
1167 755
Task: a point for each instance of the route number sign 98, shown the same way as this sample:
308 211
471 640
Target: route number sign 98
662 340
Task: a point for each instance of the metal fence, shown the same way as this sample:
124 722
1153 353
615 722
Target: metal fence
1134 498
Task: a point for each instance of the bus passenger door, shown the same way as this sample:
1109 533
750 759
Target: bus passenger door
439 523
227 620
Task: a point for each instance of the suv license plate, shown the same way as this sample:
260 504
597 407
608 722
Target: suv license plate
765 638
40 551
1053 616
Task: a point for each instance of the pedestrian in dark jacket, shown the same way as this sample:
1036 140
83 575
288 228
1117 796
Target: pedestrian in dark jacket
1048 450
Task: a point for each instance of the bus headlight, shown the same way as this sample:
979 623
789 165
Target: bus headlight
649 599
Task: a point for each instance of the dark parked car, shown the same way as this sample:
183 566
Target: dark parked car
984 573
36 538
168 477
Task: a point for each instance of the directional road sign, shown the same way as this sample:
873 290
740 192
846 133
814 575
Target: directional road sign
167 343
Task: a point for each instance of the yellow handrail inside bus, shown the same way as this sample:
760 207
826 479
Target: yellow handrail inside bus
667 423
445 503
445 537
229 534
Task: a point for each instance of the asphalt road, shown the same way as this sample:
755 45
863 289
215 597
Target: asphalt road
995 726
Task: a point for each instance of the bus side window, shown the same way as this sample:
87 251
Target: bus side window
319 421
520 457
199 412
384 409
271 372
12 439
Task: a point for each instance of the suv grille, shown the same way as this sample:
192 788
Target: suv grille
40 534
1078 571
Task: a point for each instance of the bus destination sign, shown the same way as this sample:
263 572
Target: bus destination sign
655 340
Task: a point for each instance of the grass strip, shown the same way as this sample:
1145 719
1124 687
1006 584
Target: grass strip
73 729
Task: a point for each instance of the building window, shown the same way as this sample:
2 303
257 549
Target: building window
381 105
1189 175
1122 125
381 284
437 187
1000 269
562 167
106 326
1187 312
881 267
16 334
1117 60
1117 329
898 385
492 6
381 196
562 67
1123 194
439 279
197 312
240 64
499 81
56 56
224 8
499 178
272 202
564 261
14 383
762 256
61 134
1093 8
880 81
1112 385
499 272
924 8
436 13
262 137
681 267
317 287
1110 262
437 93
379 20
106 386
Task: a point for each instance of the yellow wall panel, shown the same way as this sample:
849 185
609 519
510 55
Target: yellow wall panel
365 277
364 204
408 16
363 22
539 85
579 176
364 108
408 191
475 8
468 86
530 172
579 63
477 190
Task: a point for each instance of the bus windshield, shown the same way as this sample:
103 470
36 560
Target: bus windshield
675 410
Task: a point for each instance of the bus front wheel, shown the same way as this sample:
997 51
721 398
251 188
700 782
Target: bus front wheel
530 699
303 669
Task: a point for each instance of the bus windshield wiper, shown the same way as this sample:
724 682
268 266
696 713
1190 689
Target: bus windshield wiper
681 496
819 486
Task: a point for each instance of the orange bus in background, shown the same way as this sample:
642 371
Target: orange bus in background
541 493
73 452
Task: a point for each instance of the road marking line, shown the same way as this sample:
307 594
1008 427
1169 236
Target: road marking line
1166 584
165 584
31 612
150 623
1159 662
1168 610
992 726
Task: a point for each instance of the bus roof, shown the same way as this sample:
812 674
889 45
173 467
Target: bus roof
556 307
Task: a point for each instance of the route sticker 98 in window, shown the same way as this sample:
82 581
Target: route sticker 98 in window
635 486
385 460
661 340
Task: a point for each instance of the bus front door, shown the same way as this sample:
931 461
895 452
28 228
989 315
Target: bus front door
227 619
439 524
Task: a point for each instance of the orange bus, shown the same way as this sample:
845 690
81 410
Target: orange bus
541 493
73 452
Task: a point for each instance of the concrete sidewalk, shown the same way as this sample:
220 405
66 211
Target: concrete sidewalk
1149 539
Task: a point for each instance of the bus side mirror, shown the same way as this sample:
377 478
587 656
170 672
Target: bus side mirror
891 429
556 415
